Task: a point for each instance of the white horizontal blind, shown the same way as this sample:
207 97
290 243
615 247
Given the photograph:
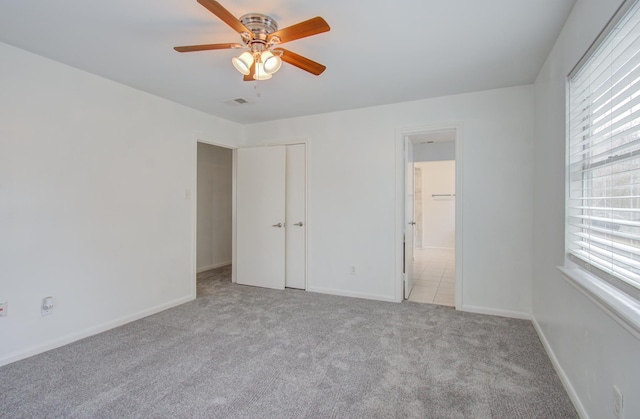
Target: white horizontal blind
603 200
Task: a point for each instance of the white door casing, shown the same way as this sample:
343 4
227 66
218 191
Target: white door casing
409 225
400 213
296 225
260 216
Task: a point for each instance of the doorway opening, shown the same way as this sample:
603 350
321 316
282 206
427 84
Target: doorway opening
431 229
214 216
434 256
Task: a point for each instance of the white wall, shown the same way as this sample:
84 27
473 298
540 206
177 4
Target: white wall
92 201
214 206
591 350
438 213
352 194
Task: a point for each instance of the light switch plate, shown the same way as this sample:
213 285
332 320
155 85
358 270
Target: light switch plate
47 306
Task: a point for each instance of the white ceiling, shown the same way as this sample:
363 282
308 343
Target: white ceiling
381 53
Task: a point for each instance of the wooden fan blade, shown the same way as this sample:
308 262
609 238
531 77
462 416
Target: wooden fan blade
249 77
302 62
191 48
224 15
309 27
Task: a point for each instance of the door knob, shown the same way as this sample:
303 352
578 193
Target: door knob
299 224
412 223
278 225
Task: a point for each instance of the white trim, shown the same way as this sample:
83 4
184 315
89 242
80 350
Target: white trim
400 204
616 304
497 312
398 280
573 395
198 138
291 141
194 215
343 293
214 266
459 220
72 337
307 231
234 227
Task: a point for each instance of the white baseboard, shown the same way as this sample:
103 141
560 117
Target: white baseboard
214 266
343 293
497 312
563 376
72 337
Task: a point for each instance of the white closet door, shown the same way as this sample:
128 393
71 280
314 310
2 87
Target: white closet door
295 272
260 212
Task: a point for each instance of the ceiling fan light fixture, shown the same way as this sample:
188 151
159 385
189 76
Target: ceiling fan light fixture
270 62
260 73
262 37
243 62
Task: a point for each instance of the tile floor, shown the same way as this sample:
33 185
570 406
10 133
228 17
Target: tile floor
434 273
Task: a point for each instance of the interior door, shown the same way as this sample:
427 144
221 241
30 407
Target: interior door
260 212
409 227
295 272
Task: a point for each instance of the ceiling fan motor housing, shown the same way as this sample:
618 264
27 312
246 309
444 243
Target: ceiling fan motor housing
260 25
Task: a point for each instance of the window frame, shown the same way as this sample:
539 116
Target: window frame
617 298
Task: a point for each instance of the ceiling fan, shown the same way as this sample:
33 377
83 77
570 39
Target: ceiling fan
260 35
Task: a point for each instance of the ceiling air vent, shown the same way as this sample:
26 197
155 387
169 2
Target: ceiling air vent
237 101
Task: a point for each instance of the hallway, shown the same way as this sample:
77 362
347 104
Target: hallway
434 271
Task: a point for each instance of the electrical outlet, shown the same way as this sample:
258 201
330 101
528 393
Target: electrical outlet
618 402
3 309
352 270
47 306
187 194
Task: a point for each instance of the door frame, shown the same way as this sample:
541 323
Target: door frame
194 199
408 232
234 148
401 164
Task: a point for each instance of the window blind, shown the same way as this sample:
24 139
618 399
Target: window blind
603 197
